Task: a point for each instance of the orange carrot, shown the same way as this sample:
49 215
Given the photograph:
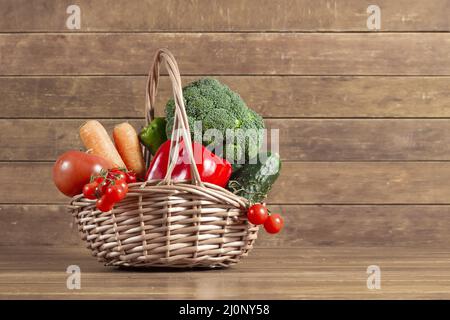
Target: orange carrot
97 140
129 147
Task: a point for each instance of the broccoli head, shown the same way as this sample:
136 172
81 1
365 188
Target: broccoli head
218 107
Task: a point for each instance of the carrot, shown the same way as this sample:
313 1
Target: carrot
96 139
129 147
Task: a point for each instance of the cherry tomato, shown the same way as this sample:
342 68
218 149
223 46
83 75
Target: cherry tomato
73 169
103 204
89 190
257 214
99 179
274 223
114 193
102 186
131 177
123 183
116 174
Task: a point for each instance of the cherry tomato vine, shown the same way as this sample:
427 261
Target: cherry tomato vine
109 187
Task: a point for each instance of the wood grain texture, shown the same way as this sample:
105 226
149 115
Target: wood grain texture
299 183
354 191
306 273
37 225
271 96
228 54
363 182
305 225
363 140
231 15
305 139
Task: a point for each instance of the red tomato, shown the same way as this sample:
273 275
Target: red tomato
104 205
114 193
73 169
123 184
99 180
274 223
257 214
103 186
90 190
116 173
131 177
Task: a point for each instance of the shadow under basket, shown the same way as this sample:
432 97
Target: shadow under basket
179 225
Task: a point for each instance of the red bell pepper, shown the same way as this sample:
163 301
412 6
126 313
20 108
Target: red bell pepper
212 168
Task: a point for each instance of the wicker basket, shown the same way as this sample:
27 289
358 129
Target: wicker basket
165 223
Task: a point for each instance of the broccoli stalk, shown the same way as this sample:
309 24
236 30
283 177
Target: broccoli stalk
218 107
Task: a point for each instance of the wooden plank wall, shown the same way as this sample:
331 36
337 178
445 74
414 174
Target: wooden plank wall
364 116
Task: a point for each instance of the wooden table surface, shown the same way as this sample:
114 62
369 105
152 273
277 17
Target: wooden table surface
268 273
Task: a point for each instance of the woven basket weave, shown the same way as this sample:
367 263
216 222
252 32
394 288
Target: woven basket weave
165 223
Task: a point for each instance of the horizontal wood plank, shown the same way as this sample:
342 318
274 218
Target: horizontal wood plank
228 54
361 225
271 96
37 225
369 182
363 140
305 139
299 183
288 273
231 15
305 225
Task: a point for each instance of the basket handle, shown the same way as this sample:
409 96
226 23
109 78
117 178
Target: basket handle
181 124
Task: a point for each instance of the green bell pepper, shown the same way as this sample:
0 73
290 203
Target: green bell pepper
154 134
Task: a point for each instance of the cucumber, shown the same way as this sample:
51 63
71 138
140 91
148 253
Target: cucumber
254 181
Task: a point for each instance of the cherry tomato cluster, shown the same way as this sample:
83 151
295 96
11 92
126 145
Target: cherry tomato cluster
258 214
109 187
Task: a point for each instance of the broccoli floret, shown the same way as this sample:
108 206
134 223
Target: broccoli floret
218 107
